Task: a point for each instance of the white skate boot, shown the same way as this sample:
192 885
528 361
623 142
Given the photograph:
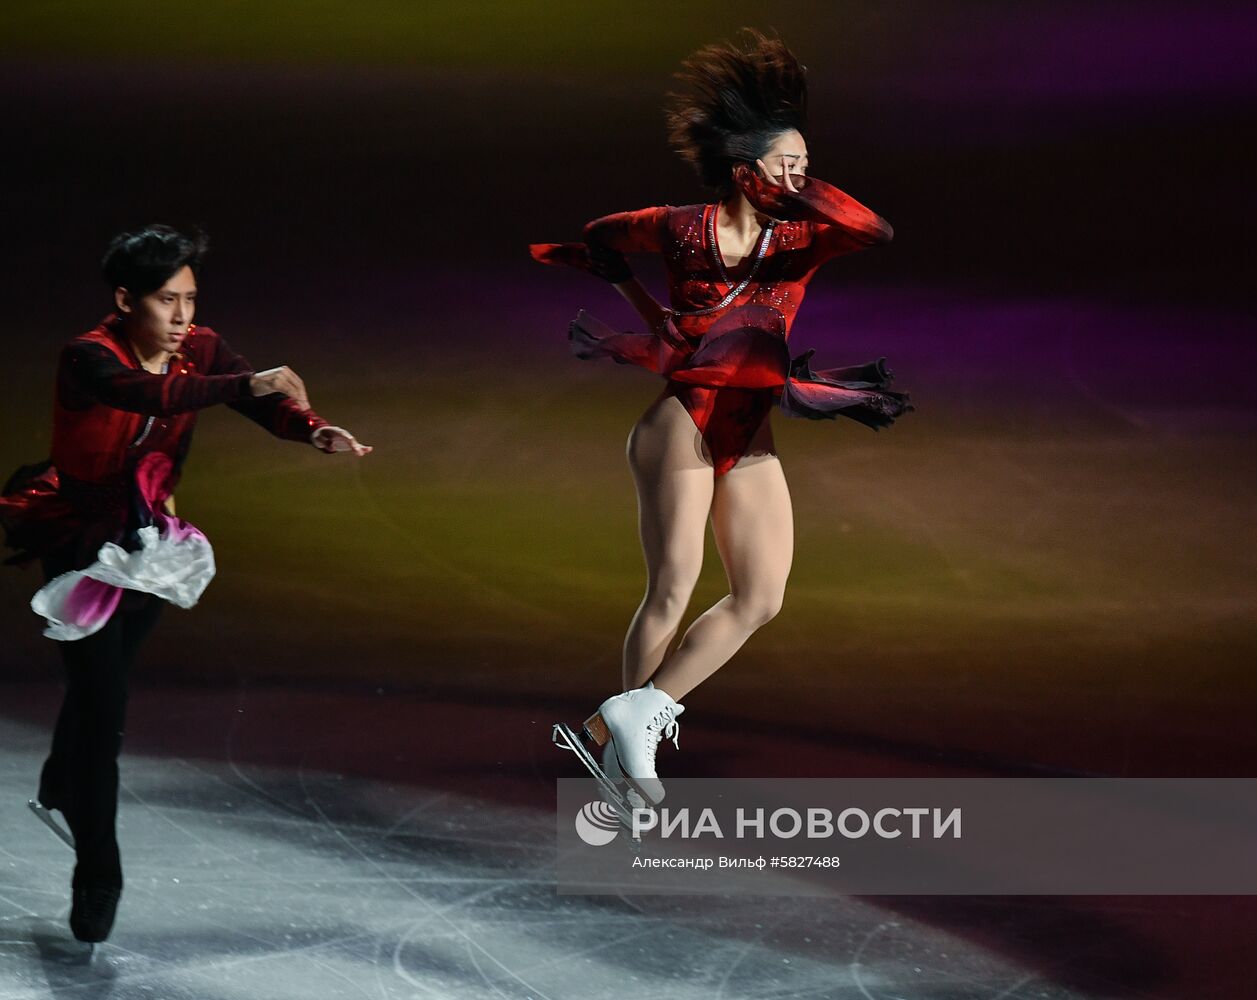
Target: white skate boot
633 723
611 768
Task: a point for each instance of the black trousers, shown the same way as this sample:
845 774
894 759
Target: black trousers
80 776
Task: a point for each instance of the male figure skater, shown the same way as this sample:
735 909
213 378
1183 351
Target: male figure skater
100 517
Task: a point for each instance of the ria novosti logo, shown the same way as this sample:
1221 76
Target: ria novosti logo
597 824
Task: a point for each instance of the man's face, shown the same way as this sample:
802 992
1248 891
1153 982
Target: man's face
157 323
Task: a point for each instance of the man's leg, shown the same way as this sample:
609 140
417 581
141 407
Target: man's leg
80 776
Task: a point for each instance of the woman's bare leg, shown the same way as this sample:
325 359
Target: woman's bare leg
674 495
754 527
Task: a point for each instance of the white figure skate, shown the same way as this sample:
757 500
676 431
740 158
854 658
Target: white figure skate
632 724
612 787
611 768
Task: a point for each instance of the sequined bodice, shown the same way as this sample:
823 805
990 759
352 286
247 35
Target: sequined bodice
699 285
818 222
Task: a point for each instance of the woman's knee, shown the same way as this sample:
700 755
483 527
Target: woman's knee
758 607
669 593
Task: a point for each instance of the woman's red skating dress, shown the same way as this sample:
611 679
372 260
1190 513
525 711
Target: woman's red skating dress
723 345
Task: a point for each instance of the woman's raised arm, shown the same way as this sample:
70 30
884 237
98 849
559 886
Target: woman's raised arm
843 225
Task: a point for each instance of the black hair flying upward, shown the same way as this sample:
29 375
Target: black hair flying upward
734 102
142 261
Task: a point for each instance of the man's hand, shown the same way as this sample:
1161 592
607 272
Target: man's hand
333 439
282 379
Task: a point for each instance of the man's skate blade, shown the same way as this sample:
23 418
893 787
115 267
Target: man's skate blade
563 736
45 817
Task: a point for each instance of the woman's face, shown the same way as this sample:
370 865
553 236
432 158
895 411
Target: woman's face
789 151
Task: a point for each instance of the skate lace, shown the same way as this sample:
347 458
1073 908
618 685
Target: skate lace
664 724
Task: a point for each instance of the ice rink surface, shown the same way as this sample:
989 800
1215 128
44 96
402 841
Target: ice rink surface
1050 562
253 878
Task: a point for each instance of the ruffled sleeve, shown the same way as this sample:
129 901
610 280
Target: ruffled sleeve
642 231
841 224
606 241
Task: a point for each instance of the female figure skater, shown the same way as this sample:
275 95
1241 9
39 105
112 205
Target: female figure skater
737 270
100 517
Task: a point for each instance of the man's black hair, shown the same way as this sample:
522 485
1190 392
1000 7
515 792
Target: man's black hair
143 261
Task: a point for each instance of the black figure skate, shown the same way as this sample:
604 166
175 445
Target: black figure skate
46 817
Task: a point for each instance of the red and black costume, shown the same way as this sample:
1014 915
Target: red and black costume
723 346
120 437
108 415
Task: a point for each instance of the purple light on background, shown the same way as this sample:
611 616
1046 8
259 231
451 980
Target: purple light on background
1010 54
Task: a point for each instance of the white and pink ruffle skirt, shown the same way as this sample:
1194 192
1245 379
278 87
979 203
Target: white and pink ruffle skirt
168 557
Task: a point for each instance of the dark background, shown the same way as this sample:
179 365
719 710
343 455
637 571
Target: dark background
1047 568
1049 561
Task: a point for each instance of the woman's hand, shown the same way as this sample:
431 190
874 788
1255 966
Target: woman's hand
282 379
653 313
781 180
333 439
666 330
